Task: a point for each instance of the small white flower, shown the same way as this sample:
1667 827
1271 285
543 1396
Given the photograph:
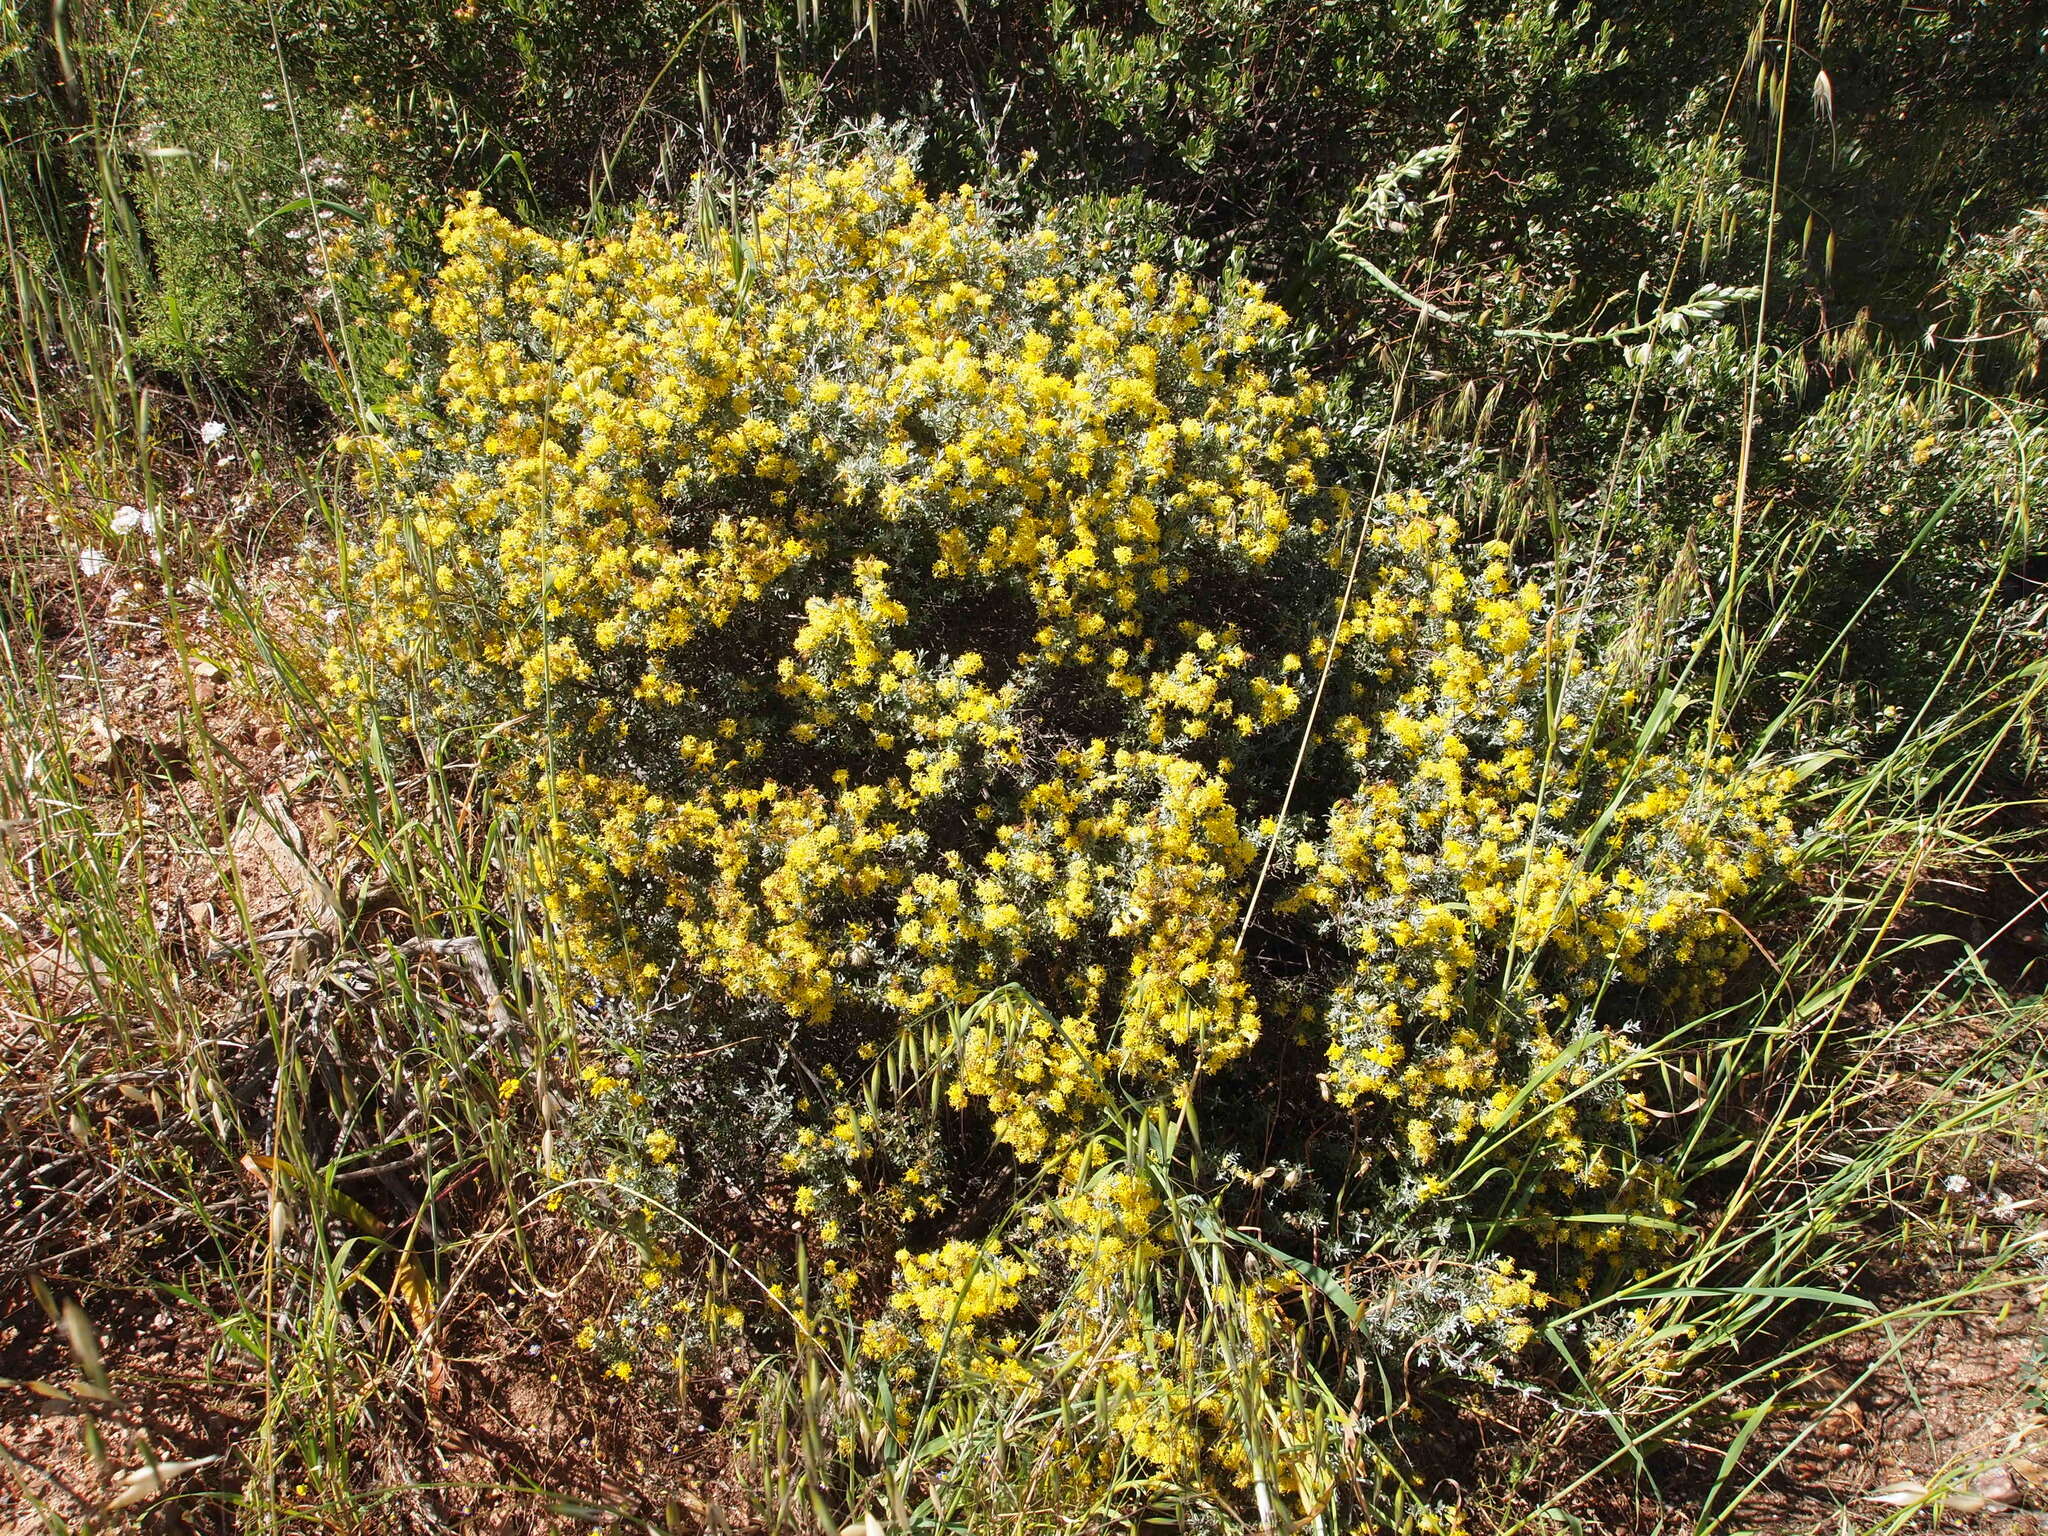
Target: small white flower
1955 1183
333 616
132 520
93 562
212 432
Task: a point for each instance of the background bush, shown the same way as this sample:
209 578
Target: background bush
1582 201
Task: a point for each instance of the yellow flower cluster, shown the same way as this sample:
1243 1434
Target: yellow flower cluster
1102 1262
1509 1296
948 1292
1505 854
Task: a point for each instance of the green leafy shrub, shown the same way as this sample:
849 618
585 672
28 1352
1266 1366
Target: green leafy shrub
1905 500
1998 292
233 177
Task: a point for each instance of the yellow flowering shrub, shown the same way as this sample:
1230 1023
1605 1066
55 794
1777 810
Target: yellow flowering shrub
886 609
888 606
